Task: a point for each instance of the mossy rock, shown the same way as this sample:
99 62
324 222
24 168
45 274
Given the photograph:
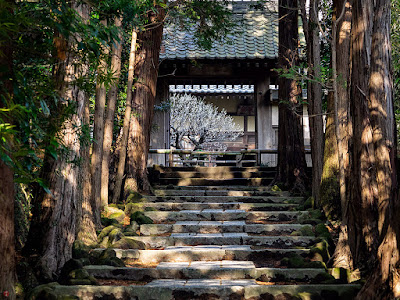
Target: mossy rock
134 197
115 235
296 233
310 221
140 218
69 266
43 292
317 257
113 205
285 261
309 296
107 254
322 249
133 227
317 214
19 290
126 243
321 229
78 274
322 277
118 216
108 222
293 261
309 203
130 208
306 231
80 282
276 188
104 243
341 274
105 232
115 262
80 250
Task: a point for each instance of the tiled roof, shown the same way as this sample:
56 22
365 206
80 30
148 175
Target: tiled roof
257 38
212 89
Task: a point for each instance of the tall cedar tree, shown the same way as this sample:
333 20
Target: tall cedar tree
291 156
374 233
336 167
146 71
98 135
53 226
7 238
110 113
314 93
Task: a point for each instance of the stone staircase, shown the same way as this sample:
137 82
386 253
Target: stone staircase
221 241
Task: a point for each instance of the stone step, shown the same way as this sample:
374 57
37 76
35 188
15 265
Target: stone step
220 227
222 188
224 199
194 239
259 181
201 192
204 253
203 269
218 174
169 289
224 215
171 206
208 170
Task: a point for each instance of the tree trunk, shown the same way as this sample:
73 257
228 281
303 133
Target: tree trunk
329 188
98 135
7 238
7 235
343 129
53 227
110 113
86 228
291 155
360 216
127 117
314 98
379 204
146 69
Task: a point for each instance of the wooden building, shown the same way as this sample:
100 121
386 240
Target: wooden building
235 74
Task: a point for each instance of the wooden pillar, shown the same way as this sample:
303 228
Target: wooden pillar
265 133
159 138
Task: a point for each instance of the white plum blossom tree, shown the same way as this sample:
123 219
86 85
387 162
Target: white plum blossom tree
200 124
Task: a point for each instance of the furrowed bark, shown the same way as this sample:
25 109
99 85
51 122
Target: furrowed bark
7 235
110 114
315 101
343 128
127 118
53 227
98 136
384 279
146 69
291 155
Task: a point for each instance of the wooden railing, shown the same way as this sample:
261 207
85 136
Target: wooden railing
209 158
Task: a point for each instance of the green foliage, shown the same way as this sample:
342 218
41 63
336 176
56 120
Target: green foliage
210 20
395 37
